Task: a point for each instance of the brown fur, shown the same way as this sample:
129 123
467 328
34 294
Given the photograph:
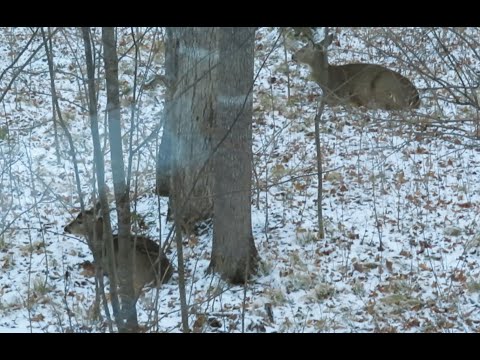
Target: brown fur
359 84
147 251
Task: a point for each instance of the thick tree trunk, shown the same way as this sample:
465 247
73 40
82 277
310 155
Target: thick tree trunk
211 90
190 115
234 255
125 248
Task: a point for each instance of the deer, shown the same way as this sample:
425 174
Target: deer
357 84
148 253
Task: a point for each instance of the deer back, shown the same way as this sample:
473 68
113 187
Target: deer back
151 264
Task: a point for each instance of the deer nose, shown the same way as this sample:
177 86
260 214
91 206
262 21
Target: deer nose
66 229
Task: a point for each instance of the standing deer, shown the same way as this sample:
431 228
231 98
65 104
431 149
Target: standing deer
359 84
147 251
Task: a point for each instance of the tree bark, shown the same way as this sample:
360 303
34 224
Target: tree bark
125 246
190 116
96 244
234 255
164 158
210 82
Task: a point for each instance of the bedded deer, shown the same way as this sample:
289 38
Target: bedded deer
358 84
147 251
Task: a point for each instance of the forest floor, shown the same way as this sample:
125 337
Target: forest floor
401 197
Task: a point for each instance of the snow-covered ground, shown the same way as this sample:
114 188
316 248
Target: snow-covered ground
401 199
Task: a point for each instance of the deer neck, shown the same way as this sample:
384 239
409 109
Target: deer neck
320 69
95 234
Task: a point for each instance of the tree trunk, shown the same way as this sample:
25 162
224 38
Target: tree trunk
125 248
164 158
234 255
205 93
190 60
96 244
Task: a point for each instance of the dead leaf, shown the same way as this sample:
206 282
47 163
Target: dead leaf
412 323
359 267
405 253
298 186
389 265
192 241
38 318
214 322
424 267
424 245
353 236
286 158
400 177
88 269
459 276
199 323
415 200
